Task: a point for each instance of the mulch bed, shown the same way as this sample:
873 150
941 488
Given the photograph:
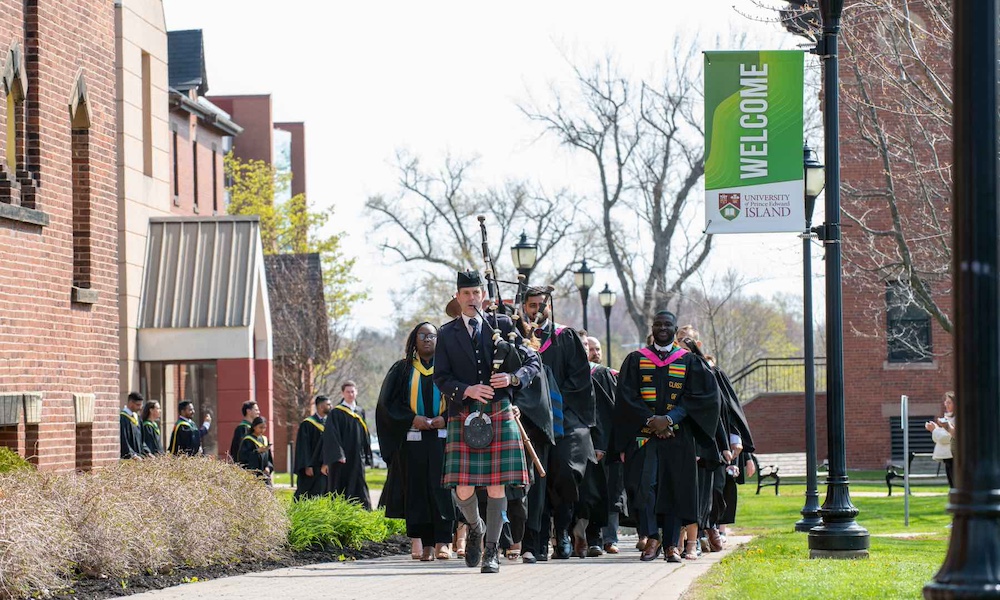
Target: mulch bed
97 589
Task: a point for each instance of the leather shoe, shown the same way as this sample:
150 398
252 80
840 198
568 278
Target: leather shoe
528 558
651 551
594 551
543 553
714 540
672 555
563 549
491 559
474 545
611 548
579 547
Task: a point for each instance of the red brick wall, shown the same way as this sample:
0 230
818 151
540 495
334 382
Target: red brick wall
47 343
777 423
253 114
188 128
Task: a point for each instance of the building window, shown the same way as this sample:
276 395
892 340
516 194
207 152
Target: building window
147 116
80 184
215 179
194 155
177 180
908 326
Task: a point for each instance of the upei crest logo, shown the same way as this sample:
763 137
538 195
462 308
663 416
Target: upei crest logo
729 206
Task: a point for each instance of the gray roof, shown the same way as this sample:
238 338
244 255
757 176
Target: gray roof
186 61
298 305
200 272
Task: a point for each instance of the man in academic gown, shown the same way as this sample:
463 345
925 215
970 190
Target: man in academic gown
128 427
562 351
667 401
347 447
186 438
605 539
311 481
250 412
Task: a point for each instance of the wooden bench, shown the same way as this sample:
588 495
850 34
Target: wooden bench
772 467
893 472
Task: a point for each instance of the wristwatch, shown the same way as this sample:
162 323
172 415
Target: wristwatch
514 380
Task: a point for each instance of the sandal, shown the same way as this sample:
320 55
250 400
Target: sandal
416 549
443 552
514 552
428 554
690 551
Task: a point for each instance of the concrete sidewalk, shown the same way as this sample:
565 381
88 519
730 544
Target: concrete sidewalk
622 576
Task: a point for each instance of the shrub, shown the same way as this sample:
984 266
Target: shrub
12 461
37 544
334 521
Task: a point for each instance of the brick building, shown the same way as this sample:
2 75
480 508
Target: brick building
58 244
895 170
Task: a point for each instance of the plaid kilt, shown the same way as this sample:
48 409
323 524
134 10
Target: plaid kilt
502 463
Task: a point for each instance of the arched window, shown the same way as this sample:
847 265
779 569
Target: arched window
79 113
14 84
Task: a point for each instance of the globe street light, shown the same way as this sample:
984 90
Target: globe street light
524 255
814 180
840 535
584 279
607 298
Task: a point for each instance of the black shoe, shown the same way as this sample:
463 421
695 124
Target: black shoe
491 559
474 546
543 554
564 548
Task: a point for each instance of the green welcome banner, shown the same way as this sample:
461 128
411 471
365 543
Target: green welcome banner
753 141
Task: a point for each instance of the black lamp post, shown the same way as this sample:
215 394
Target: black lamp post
840 535
524 255
970 566
607 298
584 279
814 180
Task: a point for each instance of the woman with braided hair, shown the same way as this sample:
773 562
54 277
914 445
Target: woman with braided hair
412 427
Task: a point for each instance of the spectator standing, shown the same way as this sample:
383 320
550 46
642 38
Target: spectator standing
941 432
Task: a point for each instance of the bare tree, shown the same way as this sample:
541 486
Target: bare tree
645 141
432 222
897 106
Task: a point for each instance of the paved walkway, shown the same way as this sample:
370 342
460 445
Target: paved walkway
620 577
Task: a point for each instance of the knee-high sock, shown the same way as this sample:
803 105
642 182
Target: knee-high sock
470 510
495 509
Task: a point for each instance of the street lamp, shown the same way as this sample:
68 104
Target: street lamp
969 569
840 535
524 255
814 180
584 279
607 298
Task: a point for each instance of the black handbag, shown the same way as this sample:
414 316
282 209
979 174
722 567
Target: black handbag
477 430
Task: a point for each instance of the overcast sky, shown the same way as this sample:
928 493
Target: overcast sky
435 77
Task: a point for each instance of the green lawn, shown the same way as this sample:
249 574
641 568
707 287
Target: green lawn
776 563
374 477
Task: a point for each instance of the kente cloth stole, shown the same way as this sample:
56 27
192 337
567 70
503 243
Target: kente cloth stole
648 363
353 414
154 425
132 418
417 390
316 422
256 442
548 342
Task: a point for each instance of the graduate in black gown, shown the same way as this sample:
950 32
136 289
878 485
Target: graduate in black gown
347 447
250 412
186 437
604 538
255 451
562 351
311 482
412 433
666 403
129 431
152 441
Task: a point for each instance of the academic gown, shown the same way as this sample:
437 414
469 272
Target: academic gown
186 438
563 352
242 430
415 458
670 462
257 462
346 437
539 402
605 383
734 421
152 443
309 453
130 436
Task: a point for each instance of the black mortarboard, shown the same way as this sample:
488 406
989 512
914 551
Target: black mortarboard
467 279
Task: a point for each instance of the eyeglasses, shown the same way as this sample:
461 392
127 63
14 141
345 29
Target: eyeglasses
423 337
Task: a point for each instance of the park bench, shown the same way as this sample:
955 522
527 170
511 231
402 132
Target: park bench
772 467
893 471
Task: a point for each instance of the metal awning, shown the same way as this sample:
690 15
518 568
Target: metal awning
204 293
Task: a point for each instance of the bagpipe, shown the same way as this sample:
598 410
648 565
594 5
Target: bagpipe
506 357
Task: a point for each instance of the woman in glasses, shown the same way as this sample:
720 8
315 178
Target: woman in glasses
411 423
